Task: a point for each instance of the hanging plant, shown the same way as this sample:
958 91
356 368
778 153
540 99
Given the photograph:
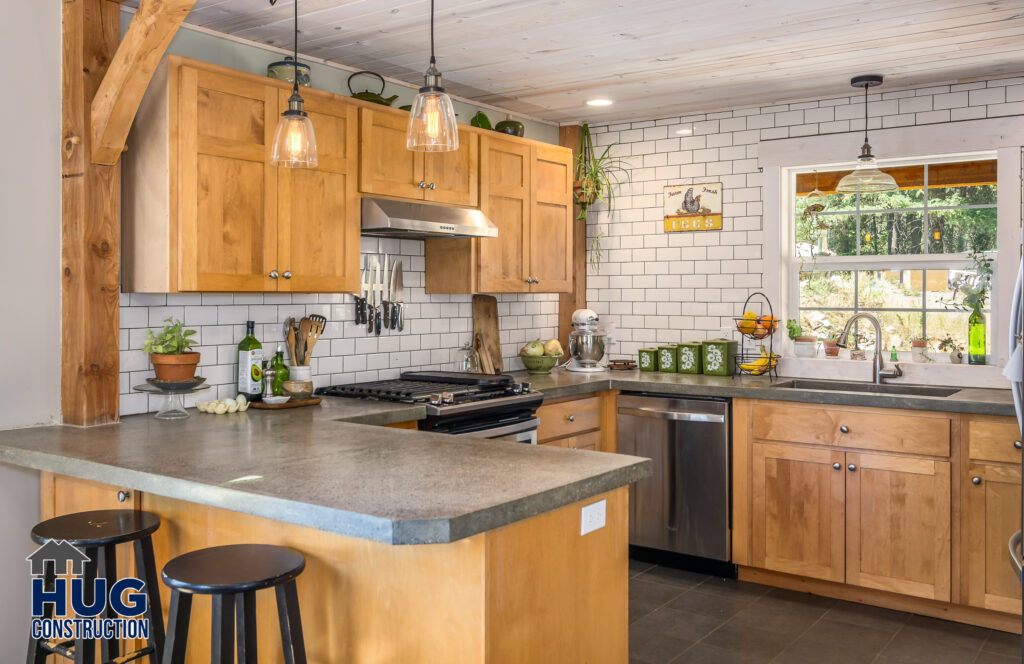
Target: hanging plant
595 179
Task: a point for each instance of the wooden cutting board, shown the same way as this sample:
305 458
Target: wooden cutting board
485 323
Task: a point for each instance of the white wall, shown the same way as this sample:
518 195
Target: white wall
30 266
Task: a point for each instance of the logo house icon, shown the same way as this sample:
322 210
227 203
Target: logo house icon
60 554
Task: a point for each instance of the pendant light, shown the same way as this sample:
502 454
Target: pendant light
866 178
432 125
294 141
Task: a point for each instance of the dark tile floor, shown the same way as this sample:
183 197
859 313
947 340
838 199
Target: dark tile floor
687 618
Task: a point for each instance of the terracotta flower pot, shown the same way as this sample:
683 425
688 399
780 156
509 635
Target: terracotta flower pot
811 339
831 349
919 343
581 195
174 367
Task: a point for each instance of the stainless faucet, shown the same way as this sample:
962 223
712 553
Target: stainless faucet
878 375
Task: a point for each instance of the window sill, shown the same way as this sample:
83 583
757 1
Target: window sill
938 372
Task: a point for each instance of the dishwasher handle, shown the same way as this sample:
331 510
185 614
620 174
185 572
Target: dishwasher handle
680 416
1015 558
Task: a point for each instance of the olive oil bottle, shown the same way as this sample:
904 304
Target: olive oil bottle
250 364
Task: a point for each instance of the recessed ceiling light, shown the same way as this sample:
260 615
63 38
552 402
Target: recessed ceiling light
599 102
684 132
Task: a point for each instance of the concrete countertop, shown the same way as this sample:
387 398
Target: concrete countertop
311 467
561 383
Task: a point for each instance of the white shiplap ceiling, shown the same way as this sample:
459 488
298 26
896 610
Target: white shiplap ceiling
654 58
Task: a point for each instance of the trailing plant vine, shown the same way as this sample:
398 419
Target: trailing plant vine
596 176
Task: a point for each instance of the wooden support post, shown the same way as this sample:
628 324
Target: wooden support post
91 223
569 137
119 95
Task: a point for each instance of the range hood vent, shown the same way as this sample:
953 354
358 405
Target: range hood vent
386 218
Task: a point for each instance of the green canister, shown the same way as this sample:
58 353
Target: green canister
648 359
667 358
689 357
718 357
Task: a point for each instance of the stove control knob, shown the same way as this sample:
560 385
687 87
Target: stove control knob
526 387
447 398
517 388
435 399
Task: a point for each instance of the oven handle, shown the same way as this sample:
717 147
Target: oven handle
507 430
672 415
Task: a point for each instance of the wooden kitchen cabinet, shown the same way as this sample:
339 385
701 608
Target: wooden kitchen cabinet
388 168
991 514
898 524
204 210
526 190
797 510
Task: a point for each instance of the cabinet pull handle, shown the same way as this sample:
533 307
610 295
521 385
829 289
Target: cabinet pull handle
287 274
1018 444
123 495
976 480
571 418
837 465
421 184
273 274
432 186
844 429
528 280
852 467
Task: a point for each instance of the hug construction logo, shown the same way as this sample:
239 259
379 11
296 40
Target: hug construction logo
63 574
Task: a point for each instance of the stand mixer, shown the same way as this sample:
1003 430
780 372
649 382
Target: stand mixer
586 343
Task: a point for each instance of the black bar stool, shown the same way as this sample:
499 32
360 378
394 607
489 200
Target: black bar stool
232 575
97 533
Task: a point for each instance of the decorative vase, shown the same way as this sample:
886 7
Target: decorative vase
976 337
955 357
510 127
175 367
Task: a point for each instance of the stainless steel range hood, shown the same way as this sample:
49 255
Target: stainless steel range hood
387 218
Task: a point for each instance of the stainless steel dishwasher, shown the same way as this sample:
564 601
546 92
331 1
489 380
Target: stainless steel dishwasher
684 506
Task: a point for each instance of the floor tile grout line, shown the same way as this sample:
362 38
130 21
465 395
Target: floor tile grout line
797 637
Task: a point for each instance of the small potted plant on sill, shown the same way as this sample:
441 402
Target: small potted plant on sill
919 350
803 345
831 347
955 349
169 352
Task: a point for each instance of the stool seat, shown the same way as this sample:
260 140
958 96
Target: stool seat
97 528
232 569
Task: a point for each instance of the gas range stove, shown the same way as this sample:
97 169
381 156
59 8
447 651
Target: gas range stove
447 394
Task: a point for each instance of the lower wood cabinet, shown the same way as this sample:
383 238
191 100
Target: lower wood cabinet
581 423
991 513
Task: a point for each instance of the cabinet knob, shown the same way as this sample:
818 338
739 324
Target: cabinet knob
421 184
844 429
852 467
123 495
273 274
1017 444
571 418
528 280
432 186
287 274
837 465
975 480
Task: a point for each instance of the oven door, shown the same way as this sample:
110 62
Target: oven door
523 431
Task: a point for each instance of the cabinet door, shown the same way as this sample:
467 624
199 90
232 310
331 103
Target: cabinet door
227 187
898 525
991 513
505 199
454 176
386 167
551 221
797 510
318 219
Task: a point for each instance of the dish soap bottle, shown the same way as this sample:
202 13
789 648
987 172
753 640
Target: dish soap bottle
280 372
893 357
250 364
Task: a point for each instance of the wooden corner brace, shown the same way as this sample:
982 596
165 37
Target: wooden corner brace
120 93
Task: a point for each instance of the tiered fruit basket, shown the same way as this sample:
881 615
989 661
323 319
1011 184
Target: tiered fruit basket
757 327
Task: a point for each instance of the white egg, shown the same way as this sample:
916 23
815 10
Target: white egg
241 399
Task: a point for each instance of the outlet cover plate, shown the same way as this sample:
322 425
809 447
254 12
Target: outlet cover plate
592 517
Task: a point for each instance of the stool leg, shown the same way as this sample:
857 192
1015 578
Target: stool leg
291 623
177 627
36 655
222 629
245 621
145 569
85 649
109 648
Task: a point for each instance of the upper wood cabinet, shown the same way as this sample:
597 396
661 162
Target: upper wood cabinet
388 168
203 209
526 190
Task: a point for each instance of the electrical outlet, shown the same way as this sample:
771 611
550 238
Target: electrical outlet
592 517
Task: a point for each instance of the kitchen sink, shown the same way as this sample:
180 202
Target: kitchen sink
899 390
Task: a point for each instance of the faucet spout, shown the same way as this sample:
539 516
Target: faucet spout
878 374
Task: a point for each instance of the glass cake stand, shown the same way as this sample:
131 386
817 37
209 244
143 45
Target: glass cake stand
173 407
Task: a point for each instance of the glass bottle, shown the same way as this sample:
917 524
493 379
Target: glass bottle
976 337
893 356
280 372
250 364
467 359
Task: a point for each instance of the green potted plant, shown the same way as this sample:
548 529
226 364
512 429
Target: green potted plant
595 178
955 349
169 351
831 347
803 345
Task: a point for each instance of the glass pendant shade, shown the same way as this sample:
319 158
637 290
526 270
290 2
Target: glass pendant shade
432 125
294 142
866 179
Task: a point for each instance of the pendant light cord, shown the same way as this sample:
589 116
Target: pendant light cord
865 113
432 60
295 57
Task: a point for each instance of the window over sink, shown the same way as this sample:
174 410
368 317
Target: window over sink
903 255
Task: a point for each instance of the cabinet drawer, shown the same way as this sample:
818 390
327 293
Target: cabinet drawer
994 440
567 417
585 441
860 428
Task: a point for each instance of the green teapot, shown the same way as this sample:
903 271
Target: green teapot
366 95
